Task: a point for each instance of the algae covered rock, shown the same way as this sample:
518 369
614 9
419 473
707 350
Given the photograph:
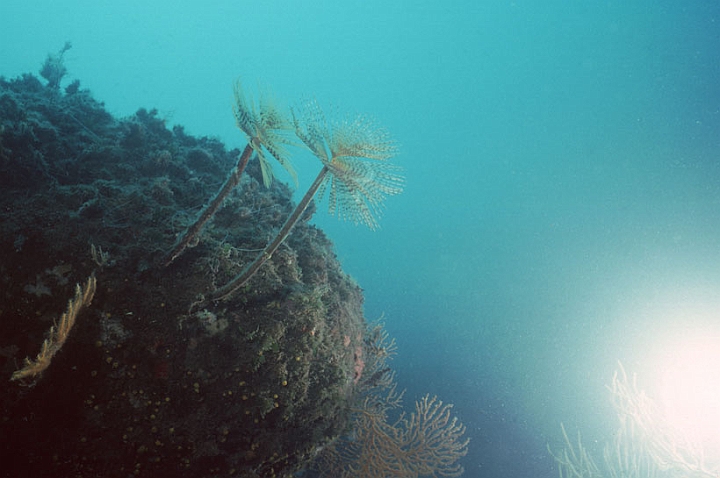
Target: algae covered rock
148 383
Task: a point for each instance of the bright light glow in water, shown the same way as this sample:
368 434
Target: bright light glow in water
691 390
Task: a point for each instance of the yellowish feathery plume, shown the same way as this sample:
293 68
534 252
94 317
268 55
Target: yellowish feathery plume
58 333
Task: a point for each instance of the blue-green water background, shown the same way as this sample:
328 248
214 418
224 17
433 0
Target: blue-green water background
562 203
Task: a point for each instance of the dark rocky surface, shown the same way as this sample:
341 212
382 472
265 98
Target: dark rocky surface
147 384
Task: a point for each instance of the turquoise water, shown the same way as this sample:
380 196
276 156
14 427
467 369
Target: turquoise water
562 199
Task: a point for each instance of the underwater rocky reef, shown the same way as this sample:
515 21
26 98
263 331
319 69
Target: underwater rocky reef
154 379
